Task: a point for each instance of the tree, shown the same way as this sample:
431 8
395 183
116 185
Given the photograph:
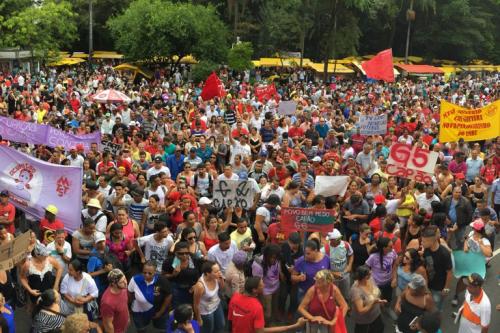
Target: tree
239 56
150 29
44 28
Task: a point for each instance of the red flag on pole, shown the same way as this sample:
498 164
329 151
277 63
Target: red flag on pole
380 66
213 87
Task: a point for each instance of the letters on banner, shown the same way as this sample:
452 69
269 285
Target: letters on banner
410 162
233 193
307 219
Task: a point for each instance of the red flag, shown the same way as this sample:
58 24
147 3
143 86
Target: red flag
213 87
380 67
265 92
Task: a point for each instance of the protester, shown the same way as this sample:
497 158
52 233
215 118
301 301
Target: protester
47 315
476 310
114 301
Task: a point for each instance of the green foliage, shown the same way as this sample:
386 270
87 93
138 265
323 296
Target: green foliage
43 29
239 56
202 70
157 28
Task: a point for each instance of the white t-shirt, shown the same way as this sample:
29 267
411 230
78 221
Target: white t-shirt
155 251
153 171
474 245
223 258
86 286
238 148
482 309
223 177
66 250
263 211
425 203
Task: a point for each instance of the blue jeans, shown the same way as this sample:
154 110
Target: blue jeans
213 322
437 296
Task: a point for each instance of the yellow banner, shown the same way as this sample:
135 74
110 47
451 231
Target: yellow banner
470 124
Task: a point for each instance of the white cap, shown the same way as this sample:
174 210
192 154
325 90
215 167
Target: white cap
99 237
204 201
316 159
335 234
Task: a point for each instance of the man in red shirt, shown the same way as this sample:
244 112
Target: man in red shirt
49 224
114 303
7 212
246 313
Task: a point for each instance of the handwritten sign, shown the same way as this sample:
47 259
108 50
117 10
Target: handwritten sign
373 125
233 193
112 147
307 219
13 252
411 163
287 108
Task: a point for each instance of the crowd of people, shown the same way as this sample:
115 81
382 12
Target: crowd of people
154 251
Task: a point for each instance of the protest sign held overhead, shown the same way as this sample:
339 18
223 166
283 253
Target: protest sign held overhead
14 252
331 185
457 122
233 193
373 125
34 184
287 107
411 162
307 219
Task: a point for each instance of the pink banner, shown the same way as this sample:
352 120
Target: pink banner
34 184
26 132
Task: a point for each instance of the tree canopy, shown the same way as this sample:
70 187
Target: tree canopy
150 29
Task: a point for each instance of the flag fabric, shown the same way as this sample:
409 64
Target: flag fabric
380 67
213 87
265 92
34 184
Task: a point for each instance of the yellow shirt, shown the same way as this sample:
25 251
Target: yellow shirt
406 212
241 239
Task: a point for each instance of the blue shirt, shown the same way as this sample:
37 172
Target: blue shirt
495 188
322 130
170 320
204 154
10 319
175 165
452 213
473 168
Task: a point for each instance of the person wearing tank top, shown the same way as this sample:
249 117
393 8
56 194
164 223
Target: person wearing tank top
130 227
207 304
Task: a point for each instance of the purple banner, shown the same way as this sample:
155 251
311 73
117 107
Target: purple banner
25 132
34 184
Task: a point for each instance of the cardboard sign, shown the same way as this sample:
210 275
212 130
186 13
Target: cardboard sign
373 125
14 252
307 219
287 108
411 162
233 193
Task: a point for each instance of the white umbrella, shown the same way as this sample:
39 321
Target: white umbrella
111 96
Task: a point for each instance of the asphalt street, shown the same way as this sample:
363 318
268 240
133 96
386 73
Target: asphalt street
491 286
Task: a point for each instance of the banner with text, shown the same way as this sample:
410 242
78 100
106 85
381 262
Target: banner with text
307 219
233 193
25 132
34 184
373 125
469 124
411 162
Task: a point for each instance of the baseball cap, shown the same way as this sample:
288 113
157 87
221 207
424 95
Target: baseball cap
417 282
477 225
459 175
379 199
335 234
99 237
473 280
158 159
204 201
316 159
4 193
52 209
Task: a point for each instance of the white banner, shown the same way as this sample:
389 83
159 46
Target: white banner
287 108
373 125
233 193
331 185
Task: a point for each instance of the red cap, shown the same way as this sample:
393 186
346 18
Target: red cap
379 199
459 175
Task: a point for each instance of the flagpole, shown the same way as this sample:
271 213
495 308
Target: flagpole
409 18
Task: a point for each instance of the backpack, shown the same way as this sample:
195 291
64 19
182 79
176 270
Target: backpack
210 182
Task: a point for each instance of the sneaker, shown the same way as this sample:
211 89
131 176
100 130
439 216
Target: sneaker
454 302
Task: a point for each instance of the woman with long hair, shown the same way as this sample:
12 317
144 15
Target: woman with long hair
210 231
293 196
383 265
181 320
118 246
267 267
366 303
410 264
362 245
320 305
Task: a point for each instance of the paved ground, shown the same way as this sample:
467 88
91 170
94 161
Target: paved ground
491 287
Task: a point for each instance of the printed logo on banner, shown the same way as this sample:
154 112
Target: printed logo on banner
20 180
411 162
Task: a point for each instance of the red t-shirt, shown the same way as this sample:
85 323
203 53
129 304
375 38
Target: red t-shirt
376 225
9 211
295 132
396 242
115 305
277 234
245 313
48 229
